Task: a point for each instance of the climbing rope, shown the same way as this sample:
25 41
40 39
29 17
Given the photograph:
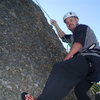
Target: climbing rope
42 9
68 44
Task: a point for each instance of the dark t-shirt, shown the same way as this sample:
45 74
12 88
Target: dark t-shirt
83 34
79 34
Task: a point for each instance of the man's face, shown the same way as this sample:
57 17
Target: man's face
71 23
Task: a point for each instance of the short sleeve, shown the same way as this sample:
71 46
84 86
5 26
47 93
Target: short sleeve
67 38
79 34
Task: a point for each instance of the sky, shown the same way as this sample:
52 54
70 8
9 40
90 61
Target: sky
88 12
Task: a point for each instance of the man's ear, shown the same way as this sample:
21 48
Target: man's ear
77 19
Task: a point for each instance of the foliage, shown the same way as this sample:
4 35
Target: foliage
95 88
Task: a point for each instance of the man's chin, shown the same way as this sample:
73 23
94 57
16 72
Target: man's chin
71 29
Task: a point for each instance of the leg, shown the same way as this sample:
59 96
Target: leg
97 96
63 77
81 90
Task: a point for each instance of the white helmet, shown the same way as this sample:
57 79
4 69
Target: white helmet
69 14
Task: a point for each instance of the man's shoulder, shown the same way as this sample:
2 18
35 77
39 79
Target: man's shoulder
82 25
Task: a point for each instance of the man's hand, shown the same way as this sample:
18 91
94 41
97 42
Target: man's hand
75 48
53 22
67 57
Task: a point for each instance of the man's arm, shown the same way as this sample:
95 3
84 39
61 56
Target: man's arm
75 48
58 29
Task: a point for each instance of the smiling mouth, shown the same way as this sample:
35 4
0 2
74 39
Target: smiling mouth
70 25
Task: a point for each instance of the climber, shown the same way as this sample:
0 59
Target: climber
80 67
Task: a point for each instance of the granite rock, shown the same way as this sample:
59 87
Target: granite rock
29 47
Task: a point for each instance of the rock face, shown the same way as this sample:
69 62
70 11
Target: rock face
28 49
